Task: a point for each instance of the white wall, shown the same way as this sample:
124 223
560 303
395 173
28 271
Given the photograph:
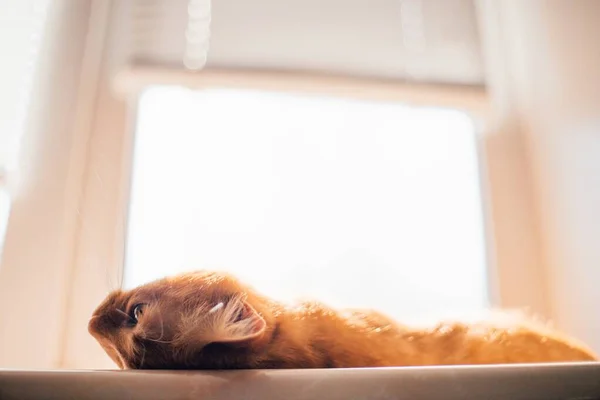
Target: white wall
37 254
549 53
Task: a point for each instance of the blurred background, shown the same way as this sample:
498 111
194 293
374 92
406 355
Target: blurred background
427 158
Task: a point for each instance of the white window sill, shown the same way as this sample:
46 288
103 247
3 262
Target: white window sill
514 382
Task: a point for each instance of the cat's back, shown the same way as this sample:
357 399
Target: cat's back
355 338
491 342
362 338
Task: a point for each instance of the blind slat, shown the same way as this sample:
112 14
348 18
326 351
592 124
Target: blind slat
415 40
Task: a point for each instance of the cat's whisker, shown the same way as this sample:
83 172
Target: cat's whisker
162 322
109 282
121 277
143 355
158 341
149 339
122 312
123 229
125 314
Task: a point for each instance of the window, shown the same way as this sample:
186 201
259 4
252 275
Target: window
356 203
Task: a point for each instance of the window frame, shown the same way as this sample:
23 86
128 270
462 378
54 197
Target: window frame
106 199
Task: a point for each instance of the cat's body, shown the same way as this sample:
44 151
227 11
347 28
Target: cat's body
211 321
315 336
343 339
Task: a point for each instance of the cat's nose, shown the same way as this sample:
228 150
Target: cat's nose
98 326
92 324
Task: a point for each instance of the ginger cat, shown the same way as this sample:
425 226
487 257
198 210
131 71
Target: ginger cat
209 320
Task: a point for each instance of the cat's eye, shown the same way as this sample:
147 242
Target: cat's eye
137 311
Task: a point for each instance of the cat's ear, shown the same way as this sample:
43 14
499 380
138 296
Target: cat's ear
235 322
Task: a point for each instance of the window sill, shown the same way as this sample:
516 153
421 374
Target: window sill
514 382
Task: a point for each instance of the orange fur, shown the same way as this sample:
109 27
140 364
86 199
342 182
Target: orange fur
209 320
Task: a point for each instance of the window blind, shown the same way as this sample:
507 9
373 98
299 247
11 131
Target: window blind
434 41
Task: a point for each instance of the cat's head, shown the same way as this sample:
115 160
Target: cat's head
191 321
